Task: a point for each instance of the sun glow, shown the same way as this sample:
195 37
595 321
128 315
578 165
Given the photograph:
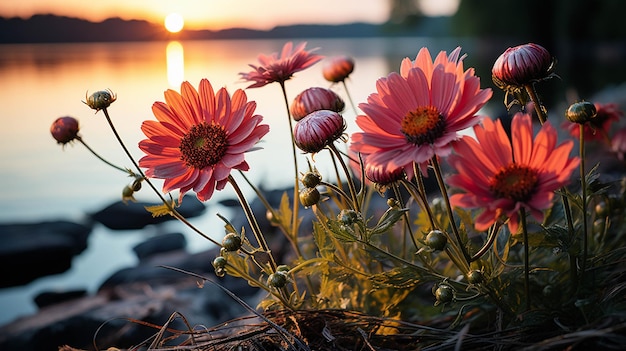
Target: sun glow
174 22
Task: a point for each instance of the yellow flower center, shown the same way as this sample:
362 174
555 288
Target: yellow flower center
204 145
515 182
422 125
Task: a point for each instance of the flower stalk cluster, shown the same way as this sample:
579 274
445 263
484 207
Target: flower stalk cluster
495 209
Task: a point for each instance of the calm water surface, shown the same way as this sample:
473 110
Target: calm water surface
42 180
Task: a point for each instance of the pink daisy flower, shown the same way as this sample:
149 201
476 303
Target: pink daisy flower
416 114
276 68
501 177
199 137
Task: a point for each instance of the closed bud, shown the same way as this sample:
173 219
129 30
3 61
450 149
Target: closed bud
128 194
219 262
64 129
318 130
475 277
443 294
348 217
521 65
100 99
311 179
337 69
315 99
309 196
436 240
231 242
277 280
581 112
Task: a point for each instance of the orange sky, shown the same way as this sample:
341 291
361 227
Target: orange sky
219 14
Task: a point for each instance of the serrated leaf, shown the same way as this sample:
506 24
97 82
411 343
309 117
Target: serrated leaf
158 210
399 278
387 220
342 232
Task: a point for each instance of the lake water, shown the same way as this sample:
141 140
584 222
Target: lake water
41 180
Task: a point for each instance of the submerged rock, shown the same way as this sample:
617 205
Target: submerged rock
33 250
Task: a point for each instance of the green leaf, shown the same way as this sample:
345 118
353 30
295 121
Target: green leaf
159 210
341 231
387 220
399 278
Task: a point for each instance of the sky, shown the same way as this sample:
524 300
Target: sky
220 14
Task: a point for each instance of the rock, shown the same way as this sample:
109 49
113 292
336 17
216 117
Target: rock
133 215
48 298
160 244
33 250
144 293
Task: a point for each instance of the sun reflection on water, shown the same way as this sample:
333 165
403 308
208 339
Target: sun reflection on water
175 63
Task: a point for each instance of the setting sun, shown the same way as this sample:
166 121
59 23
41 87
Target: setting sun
174 23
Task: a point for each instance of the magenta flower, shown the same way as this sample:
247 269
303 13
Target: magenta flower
318 130
500 177
64 129
314 99
281 68
418 113
521 65
199 137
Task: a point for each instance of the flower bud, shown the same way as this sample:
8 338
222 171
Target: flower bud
337 69
219 262
64 129
318 129
581 112
348 217
100 99
443 294
231 242
311 179
381 175
128 194
436 240
309 196
475 277
521 65
277 280
315 99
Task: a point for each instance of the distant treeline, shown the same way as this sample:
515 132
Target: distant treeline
55 29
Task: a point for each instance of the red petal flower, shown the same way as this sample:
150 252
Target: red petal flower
200 136
501 177
418 113
276 68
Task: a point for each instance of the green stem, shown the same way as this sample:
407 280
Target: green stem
541 114
345 86
526 263
293 240
254 225
102 159
353 193
171 208
446 200
296 186
583 184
